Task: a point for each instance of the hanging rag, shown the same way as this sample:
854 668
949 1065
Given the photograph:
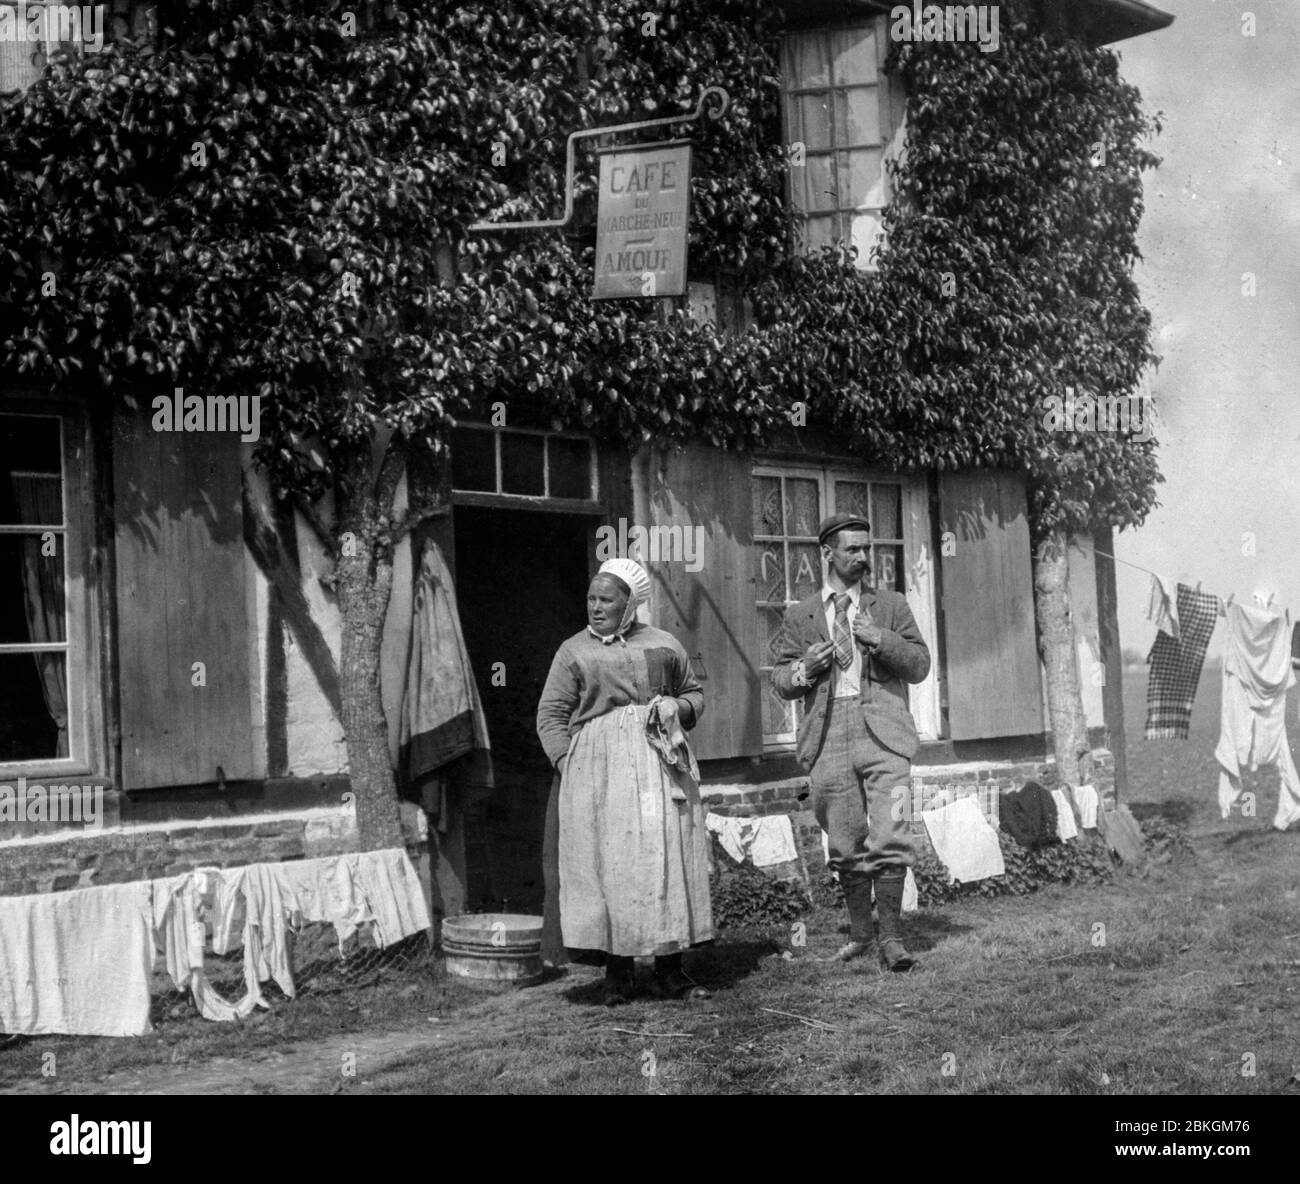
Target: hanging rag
1256 677
442 719
669 741
964 841
765 841
1176 666
1162 606
1028 815
1065 824
1087 799
77 963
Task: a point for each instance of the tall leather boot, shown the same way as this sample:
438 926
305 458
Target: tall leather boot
889 909
857 896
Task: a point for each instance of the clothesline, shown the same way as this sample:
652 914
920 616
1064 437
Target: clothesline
1156 576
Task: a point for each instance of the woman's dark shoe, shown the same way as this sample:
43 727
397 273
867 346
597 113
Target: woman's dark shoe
671 982
620 982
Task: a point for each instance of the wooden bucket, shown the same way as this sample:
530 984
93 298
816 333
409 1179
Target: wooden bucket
493 949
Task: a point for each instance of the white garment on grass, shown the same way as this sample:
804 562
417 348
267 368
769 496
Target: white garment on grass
963 840
910 903
76 963
1065 824
766 841
1257 674
1085 797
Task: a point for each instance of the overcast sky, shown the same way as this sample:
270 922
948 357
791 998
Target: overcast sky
1226 201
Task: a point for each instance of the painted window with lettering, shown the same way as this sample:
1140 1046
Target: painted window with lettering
788 503
844 119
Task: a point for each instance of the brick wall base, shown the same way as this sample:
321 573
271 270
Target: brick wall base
986 780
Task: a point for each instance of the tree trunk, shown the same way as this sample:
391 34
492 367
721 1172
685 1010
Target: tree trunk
1057 647
364 582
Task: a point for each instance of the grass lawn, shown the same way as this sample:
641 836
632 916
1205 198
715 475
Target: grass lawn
1185 980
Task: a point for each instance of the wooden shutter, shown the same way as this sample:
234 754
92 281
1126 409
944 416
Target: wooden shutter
181 599
988 607
711 611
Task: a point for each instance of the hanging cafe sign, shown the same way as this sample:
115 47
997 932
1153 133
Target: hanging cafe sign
643 214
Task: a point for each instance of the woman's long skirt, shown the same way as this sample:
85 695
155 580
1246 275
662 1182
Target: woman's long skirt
634 864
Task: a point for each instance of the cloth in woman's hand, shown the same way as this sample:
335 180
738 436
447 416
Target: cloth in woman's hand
663 731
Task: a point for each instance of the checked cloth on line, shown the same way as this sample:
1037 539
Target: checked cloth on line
1176 666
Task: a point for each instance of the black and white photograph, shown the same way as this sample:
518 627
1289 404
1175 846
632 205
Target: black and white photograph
650 547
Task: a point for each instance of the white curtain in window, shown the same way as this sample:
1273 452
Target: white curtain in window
39 499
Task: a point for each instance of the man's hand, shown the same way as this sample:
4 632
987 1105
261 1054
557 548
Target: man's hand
866 632
817 658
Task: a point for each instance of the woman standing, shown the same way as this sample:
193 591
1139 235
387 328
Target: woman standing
632 847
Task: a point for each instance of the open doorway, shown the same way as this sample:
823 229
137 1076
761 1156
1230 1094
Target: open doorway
521 584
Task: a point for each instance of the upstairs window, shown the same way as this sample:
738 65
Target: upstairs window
843 119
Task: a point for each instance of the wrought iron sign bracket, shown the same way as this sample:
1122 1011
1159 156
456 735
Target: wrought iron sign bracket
570 154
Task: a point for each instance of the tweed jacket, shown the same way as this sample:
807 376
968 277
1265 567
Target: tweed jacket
902 657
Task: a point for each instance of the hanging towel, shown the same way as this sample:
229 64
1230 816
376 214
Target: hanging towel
77 963
766 841
1028 815
442 717
1087 799
1162 607
1065 825
964 841
1176 666
1256 677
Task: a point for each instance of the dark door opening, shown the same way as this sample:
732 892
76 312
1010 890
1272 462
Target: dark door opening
521 585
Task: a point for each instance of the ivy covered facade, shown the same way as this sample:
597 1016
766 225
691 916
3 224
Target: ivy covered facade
901 252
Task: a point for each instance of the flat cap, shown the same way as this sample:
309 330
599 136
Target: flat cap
841 522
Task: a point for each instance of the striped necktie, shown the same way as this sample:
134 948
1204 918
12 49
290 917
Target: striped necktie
843 635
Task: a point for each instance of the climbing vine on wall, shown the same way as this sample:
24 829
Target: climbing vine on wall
266 201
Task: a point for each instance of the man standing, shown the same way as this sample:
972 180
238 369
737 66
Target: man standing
847 651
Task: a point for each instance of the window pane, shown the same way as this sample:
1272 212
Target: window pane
21 62
887 567
813 119
818 232
885 512
31 589
806 56
857 116
33 707
861 177
805 569
522 464
866 233
767 505
854 54
778 713
31 489
473 460
771 572
821 191
803 510
569 464
770 626
853 497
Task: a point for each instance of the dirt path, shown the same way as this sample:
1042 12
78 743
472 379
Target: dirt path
338 1063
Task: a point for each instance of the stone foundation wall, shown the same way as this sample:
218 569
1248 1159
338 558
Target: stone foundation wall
988 781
